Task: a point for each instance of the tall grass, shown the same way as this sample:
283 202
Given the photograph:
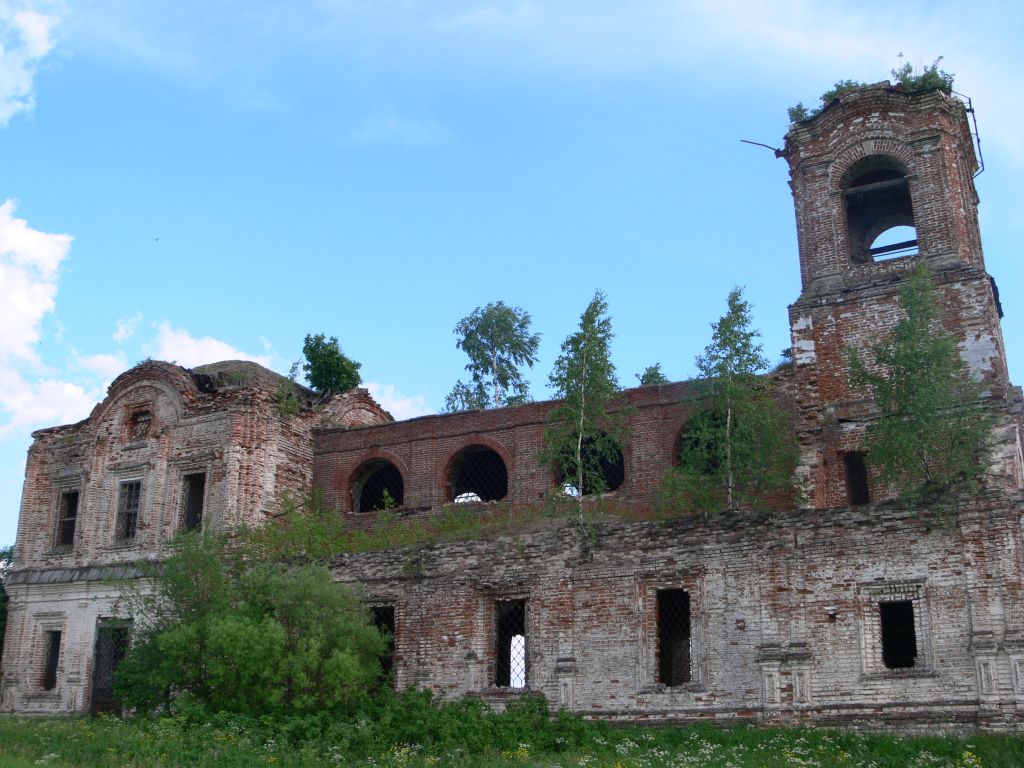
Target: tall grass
412 731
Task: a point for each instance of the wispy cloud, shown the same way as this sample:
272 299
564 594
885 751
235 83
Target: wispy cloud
126 328
180 346
699 44
398 405
25 39
107 366
405 132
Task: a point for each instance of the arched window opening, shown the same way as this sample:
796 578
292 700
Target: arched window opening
604 468
379 486
879 213
698 445
477 474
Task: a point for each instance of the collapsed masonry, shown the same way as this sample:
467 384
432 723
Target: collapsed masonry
850 611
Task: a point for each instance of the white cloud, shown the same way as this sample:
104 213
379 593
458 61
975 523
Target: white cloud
29 270
397 405
29 264
34 404
106 366
24 41
126 328
181 347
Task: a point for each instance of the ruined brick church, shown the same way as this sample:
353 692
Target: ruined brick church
850 611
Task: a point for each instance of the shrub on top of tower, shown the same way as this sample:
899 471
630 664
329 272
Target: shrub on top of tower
930 78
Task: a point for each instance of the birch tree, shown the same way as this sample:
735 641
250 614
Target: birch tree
499 343
738 446
582 437
933 436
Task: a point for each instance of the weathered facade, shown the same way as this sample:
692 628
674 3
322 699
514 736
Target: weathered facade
849 611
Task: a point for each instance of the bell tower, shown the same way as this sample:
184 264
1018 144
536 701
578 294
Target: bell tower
882 181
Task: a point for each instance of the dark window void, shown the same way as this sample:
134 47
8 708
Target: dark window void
112 638
477 473
379 486
384 620
195 491
899 640
674 666
128 511
857 490
510 650
67 519
879 214
52 650
604 468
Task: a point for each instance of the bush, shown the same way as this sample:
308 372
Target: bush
226 633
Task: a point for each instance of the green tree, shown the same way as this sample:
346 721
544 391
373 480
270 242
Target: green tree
227 632
498 341
652 376
933 435
582 436
6 562
327 369
739 446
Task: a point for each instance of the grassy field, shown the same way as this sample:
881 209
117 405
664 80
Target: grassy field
113 743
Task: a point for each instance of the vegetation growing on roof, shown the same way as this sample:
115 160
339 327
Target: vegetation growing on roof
930 78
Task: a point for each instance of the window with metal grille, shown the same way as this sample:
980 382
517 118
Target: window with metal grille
899 638
67 519
384 620
477 473
139 424
127 511
510 645
52 651
674 665
195 490
112 640
378 486
857 489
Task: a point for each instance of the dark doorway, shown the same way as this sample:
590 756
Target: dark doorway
673 637
899 639
112 639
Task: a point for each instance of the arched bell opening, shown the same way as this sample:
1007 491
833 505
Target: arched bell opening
879 212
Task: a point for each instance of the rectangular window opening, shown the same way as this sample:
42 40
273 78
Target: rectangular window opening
195 490
674 658
49 681
857 491
899 638
384 620
128 511
67 519
510 650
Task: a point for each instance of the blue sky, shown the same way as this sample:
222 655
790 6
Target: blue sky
196 181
